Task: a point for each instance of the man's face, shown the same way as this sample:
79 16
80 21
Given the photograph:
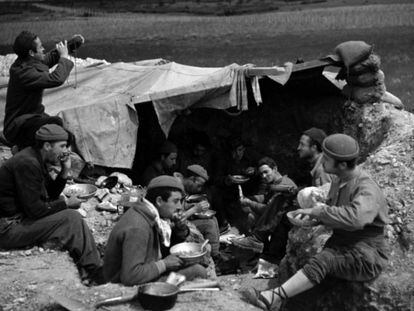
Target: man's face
55 150
305 150
268 174
39 53
199 150
195 184
173 204
238 153
170 160
329 165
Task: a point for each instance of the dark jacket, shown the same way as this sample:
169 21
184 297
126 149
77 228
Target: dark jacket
26 187
28 78
133 254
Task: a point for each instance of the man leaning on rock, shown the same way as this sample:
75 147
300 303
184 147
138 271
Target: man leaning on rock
32 212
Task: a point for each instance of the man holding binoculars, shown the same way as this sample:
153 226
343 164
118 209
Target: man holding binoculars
29 76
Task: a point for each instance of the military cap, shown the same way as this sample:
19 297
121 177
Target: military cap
198 170
166 181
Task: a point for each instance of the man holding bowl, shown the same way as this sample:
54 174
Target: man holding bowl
138 245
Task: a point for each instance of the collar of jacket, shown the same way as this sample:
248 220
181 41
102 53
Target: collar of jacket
141 209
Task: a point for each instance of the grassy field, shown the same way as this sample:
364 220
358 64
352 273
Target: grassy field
263 39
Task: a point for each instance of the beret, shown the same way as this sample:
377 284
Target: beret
51 132
168 147
198 170
341 147
316 134
166 181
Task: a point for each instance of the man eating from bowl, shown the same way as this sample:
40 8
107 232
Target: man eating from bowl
357 212
32 212
138 245
194 184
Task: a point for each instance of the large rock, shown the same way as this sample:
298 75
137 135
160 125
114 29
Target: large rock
386 136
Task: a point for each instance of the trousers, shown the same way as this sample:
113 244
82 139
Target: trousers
65 228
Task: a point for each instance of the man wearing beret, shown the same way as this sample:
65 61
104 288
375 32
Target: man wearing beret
357 212
32 211
163 165
138 246
310 149
29 76
194 184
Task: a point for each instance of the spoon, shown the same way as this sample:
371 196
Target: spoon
204 244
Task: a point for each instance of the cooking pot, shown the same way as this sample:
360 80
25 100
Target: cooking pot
158 296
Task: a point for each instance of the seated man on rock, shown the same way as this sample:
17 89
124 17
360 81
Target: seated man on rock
271 184
137 248
163 165
31 209
194 184
357 212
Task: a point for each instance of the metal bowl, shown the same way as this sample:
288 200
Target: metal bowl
196 198
301 222
81 191
189 252
238 179
206 214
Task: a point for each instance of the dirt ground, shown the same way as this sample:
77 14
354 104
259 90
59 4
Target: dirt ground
30 279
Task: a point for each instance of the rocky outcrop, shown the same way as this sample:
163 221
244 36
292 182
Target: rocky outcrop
386 136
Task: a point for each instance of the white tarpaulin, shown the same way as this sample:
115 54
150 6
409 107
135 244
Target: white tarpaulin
100 109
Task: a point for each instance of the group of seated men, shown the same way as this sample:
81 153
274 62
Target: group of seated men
33 211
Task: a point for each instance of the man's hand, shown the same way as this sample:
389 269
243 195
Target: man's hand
66 164
202 206
172 262
62 48
73 202
179 220
245 201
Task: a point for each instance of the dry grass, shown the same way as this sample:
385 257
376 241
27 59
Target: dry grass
149 27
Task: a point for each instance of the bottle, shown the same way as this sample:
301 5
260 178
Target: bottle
133 194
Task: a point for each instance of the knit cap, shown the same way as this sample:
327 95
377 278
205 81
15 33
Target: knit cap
168 147
316 134
51 132
341 147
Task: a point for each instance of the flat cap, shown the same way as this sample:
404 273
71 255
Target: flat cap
316 134
198 170
51 132
165 181
341 147
168 147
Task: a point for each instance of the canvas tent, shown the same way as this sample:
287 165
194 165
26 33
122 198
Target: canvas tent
99 107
